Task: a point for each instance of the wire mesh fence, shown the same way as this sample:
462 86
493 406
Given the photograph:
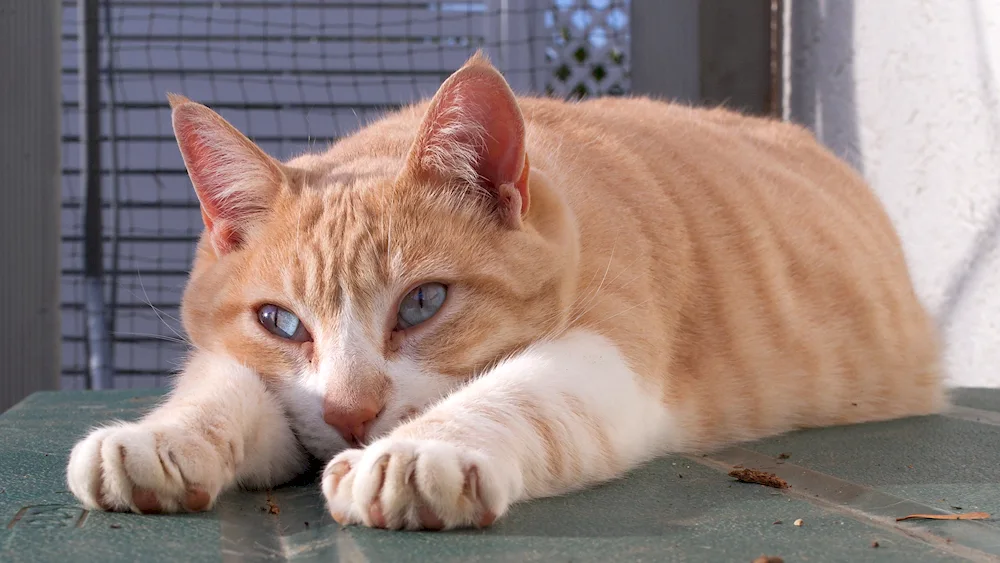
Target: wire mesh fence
293 75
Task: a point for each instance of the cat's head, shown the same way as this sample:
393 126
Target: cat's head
364 283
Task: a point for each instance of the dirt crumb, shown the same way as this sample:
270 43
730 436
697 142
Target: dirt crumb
874 544
784 456
769 559
759 477
272 507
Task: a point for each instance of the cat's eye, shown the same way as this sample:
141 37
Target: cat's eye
420 304
282 323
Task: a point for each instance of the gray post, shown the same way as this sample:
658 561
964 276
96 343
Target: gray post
707 53
29 187
98 343
735 45
665 54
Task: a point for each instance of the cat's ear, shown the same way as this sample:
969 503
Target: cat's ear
235 180
473 134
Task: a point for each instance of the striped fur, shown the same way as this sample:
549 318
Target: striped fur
656 278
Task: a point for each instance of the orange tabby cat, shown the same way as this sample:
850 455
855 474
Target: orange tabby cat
488 299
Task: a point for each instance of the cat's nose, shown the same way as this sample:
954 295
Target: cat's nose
352 420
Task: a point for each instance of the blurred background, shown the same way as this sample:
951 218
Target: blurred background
99 221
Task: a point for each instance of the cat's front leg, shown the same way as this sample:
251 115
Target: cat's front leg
559 416
219 427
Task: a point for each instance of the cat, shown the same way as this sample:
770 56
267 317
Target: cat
483 299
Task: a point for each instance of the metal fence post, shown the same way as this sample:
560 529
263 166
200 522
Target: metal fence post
29 186
664 58
708 53
98 343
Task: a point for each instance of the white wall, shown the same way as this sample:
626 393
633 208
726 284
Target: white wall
909 92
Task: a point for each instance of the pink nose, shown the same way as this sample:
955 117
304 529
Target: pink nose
352 421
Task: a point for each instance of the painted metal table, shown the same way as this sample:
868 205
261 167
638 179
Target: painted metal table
847 485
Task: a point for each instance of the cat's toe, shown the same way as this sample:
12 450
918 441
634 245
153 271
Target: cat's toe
84 472
412 484
338 480
145 470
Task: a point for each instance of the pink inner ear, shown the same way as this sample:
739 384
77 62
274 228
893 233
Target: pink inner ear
502 149
197 158
474 130
230 175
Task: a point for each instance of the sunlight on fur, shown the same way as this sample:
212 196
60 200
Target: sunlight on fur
457 327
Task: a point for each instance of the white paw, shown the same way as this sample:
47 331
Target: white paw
413 484
149 469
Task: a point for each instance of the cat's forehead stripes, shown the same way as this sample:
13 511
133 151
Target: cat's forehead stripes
340 241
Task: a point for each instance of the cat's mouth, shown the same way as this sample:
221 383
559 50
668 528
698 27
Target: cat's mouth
324 442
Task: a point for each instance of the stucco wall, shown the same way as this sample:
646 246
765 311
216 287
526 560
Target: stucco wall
907 91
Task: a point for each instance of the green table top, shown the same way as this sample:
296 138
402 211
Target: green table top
848 485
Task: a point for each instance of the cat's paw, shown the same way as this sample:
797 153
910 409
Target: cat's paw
148 469
413 485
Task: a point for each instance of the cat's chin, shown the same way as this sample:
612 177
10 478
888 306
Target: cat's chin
317 437
323 443
322 447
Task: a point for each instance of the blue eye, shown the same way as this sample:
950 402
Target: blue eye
420 304
282 323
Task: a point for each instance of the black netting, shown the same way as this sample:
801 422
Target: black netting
292 75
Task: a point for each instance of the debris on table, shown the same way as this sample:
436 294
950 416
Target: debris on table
759 477
784 456
798 522
777 522
874 544
272 507
769 559
966 516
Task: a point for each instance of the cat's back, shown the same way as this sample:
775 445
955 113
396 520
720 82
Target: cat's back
742 261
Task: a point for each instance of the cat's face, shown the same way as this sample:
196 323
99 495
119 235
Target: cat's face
364 289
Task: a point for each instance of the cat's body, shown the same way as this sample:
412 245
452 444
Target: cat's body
654 278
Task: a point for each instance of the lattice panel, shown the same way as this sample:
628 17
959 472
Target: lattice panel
589 48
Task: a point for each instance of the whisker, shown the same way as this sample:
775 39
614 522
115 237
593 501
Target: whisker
592 300
626 284
164 337
156 311
623 311
585 294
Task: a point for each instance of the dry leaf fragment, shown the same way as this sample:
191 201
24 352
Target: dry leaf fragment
966 516
272 507
759 477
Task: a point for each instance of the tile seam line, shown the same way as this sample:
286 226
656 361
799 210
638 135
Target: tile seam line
970 414
722 462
